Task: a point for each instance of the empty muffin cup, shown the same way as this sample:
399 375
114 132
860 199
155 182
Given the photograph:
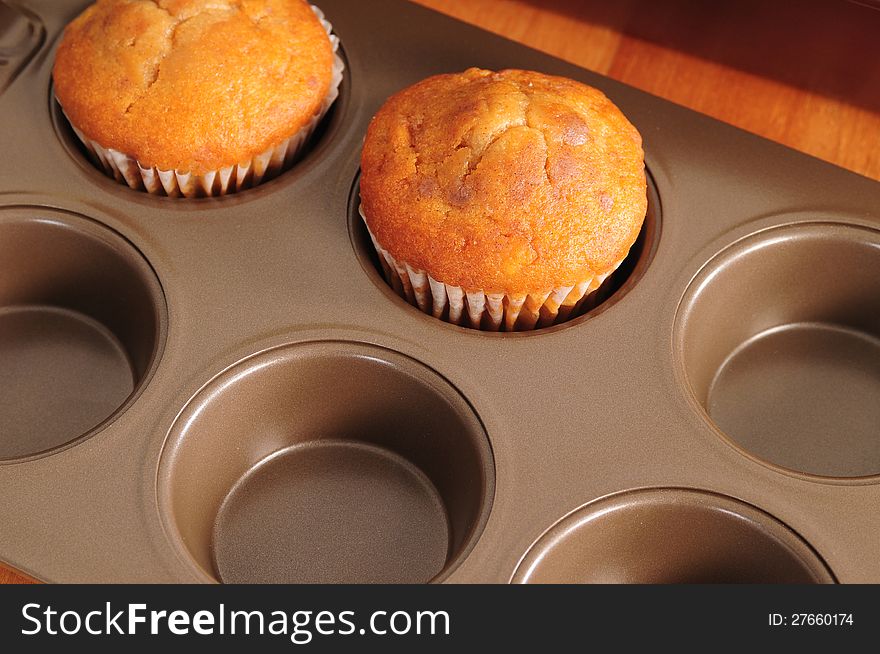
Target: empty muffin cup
82 320
670 536
326 462
778 338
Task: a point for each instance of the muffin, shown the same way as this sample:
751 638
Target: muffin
196 97
501 200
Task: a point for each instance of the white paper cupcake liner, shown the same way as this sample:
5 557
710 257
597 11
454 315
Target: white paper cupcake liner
265 166
488 311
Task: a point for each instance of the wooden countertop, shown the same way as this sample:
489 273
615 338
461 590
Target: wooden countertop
805 73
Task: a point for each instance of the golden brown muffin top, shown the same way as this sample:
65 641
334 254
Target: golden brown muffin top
510 182
193 85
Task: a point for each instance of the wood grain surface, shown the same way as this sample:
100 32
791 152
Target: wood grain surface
803 73
7 576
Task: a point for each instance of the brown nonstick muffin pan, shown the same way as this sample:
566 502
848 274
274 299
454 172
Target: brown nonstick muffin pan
227 390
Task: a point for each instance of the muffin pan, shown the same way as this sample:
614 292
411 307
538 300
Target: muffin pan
227 390
21 34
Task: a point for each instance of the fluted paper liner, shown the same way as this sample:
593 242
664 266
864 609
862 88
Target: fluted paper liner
265 166
488 311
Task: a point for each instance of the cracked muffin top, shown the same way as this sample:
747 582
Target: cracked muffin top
510 181
193 85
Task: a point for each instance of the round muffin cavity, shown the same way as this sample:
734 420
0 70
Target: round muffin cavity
510 182
671 536
326 462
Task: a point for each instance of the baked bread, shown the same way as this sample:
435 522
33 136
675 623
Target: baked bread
195 86
510 184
